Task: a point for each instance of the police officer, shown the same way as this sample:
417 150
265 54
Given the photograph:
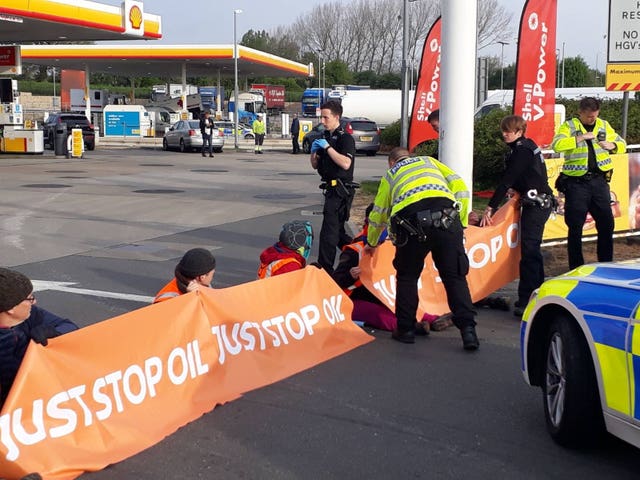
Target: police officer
426 204
587 142
525 173
333 157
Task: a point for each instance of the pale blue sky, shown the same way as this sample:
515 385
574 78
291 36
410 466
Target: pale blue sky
582 24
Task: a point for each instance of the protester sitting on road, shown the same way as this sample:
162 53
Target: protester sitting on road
20 322
367 308
291 251
194 271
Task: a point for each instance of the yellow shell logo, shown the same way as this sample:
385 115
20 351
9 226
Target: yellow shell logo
135 17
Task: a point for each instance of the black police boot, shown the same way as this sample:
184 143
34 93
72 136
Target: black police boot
403 336
469 338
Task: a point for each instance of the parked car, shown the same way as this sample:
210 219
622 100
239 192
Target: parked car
580 345
227 127
185 135
365 132
72 120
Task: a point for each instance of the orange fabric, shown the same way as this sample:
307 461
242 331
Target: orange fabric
169 291
494 255
173 360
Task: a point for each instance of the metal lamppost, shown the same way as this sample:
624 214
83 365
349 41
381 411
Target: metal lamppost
562 85
404 111
502 44
236 107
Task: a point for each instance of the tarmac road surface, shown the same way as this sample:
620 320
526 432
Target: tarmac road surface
112 226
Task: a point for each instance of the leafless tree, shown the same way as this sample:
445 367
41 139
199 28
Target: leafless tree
367 34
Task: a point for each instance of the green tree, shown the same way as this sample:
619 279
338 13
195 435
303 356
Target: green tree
575 71
337 72
256 39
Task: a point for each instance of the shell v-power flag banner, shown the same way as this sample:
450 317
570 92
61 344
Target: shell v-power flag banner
535 94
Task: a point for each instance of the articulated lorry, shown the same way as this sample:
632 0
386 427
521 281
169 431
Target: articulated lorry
273 96
312 98
504 98
382 106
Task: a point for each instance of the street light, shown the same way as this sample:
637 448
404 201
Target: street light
404 111
236 107
562 84
502 44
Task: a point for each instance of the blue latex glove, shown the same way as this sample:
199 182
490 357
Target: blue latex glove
319 144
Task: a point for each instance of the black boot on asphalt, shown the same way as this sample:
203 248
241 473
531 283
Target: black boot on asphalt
403 337
469 338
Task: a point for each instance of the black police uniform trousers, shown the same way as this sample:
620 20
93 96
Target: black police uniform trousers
449 257
332 234
590 195
532 221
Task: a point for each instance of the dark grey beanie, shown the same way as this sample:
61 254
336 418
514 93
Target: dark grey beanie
196 262
14 288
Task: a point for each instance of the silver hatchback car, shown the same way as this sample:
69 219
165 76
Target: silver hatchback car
185 136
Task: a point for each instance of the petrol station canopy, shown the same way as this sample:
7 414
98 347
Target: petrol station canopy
152 59
23 21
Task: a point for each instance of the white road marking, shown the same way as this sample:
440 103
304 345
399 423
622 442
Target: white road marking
41 285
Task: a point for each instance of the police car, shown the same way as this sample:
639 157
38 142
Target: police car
580 343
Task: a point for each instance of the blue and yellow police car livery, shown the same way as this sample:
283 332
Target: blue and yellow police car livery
580 342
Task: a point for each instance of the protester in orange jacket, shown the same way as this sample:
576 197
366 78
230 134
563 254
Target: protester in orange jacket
291 251
367 307
194 271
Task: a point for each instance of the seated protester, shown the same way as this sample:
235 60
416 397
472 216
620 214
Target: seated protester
366 306
20 322
290 253
194 271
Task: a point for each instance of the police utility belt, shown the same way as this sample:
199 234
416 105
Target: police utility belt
540 200
342 188
425 220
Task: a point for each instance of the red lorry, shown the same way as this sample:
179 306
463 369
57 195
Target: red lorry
273 96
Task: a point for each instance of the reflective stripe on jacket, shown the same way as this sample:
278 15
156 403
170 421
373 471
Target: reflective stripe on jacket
358 247
409 181
271 269
576 154
170 290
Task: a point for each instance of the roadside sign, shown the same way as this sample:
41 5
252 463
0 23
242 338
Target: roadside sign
624 77
624 31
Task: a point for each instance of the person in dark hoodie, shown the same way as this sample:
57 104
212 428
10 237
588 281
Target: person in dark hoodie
291 251
194 271
20 322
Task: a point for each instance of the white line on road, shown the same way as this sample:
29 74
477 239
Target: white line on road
41 285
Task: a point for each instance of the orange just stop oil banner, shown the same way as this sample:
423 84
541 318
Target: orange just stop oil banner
105 392
494 255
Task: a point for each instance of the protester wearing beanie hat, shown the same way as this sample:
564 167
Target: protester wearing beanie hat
20 322
194 271
14 288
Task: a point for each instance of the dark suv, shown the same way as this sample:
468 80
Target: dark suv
73 120
365 132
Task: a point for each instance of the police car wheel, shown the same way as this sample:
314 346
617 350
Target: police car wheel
165 144
569 387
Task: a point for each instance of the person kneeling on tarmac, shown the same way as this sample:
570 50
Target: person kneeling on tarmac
291 251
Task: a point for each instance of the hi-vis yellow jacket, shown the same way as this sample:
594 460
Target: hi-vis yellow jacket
409 181
576 154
